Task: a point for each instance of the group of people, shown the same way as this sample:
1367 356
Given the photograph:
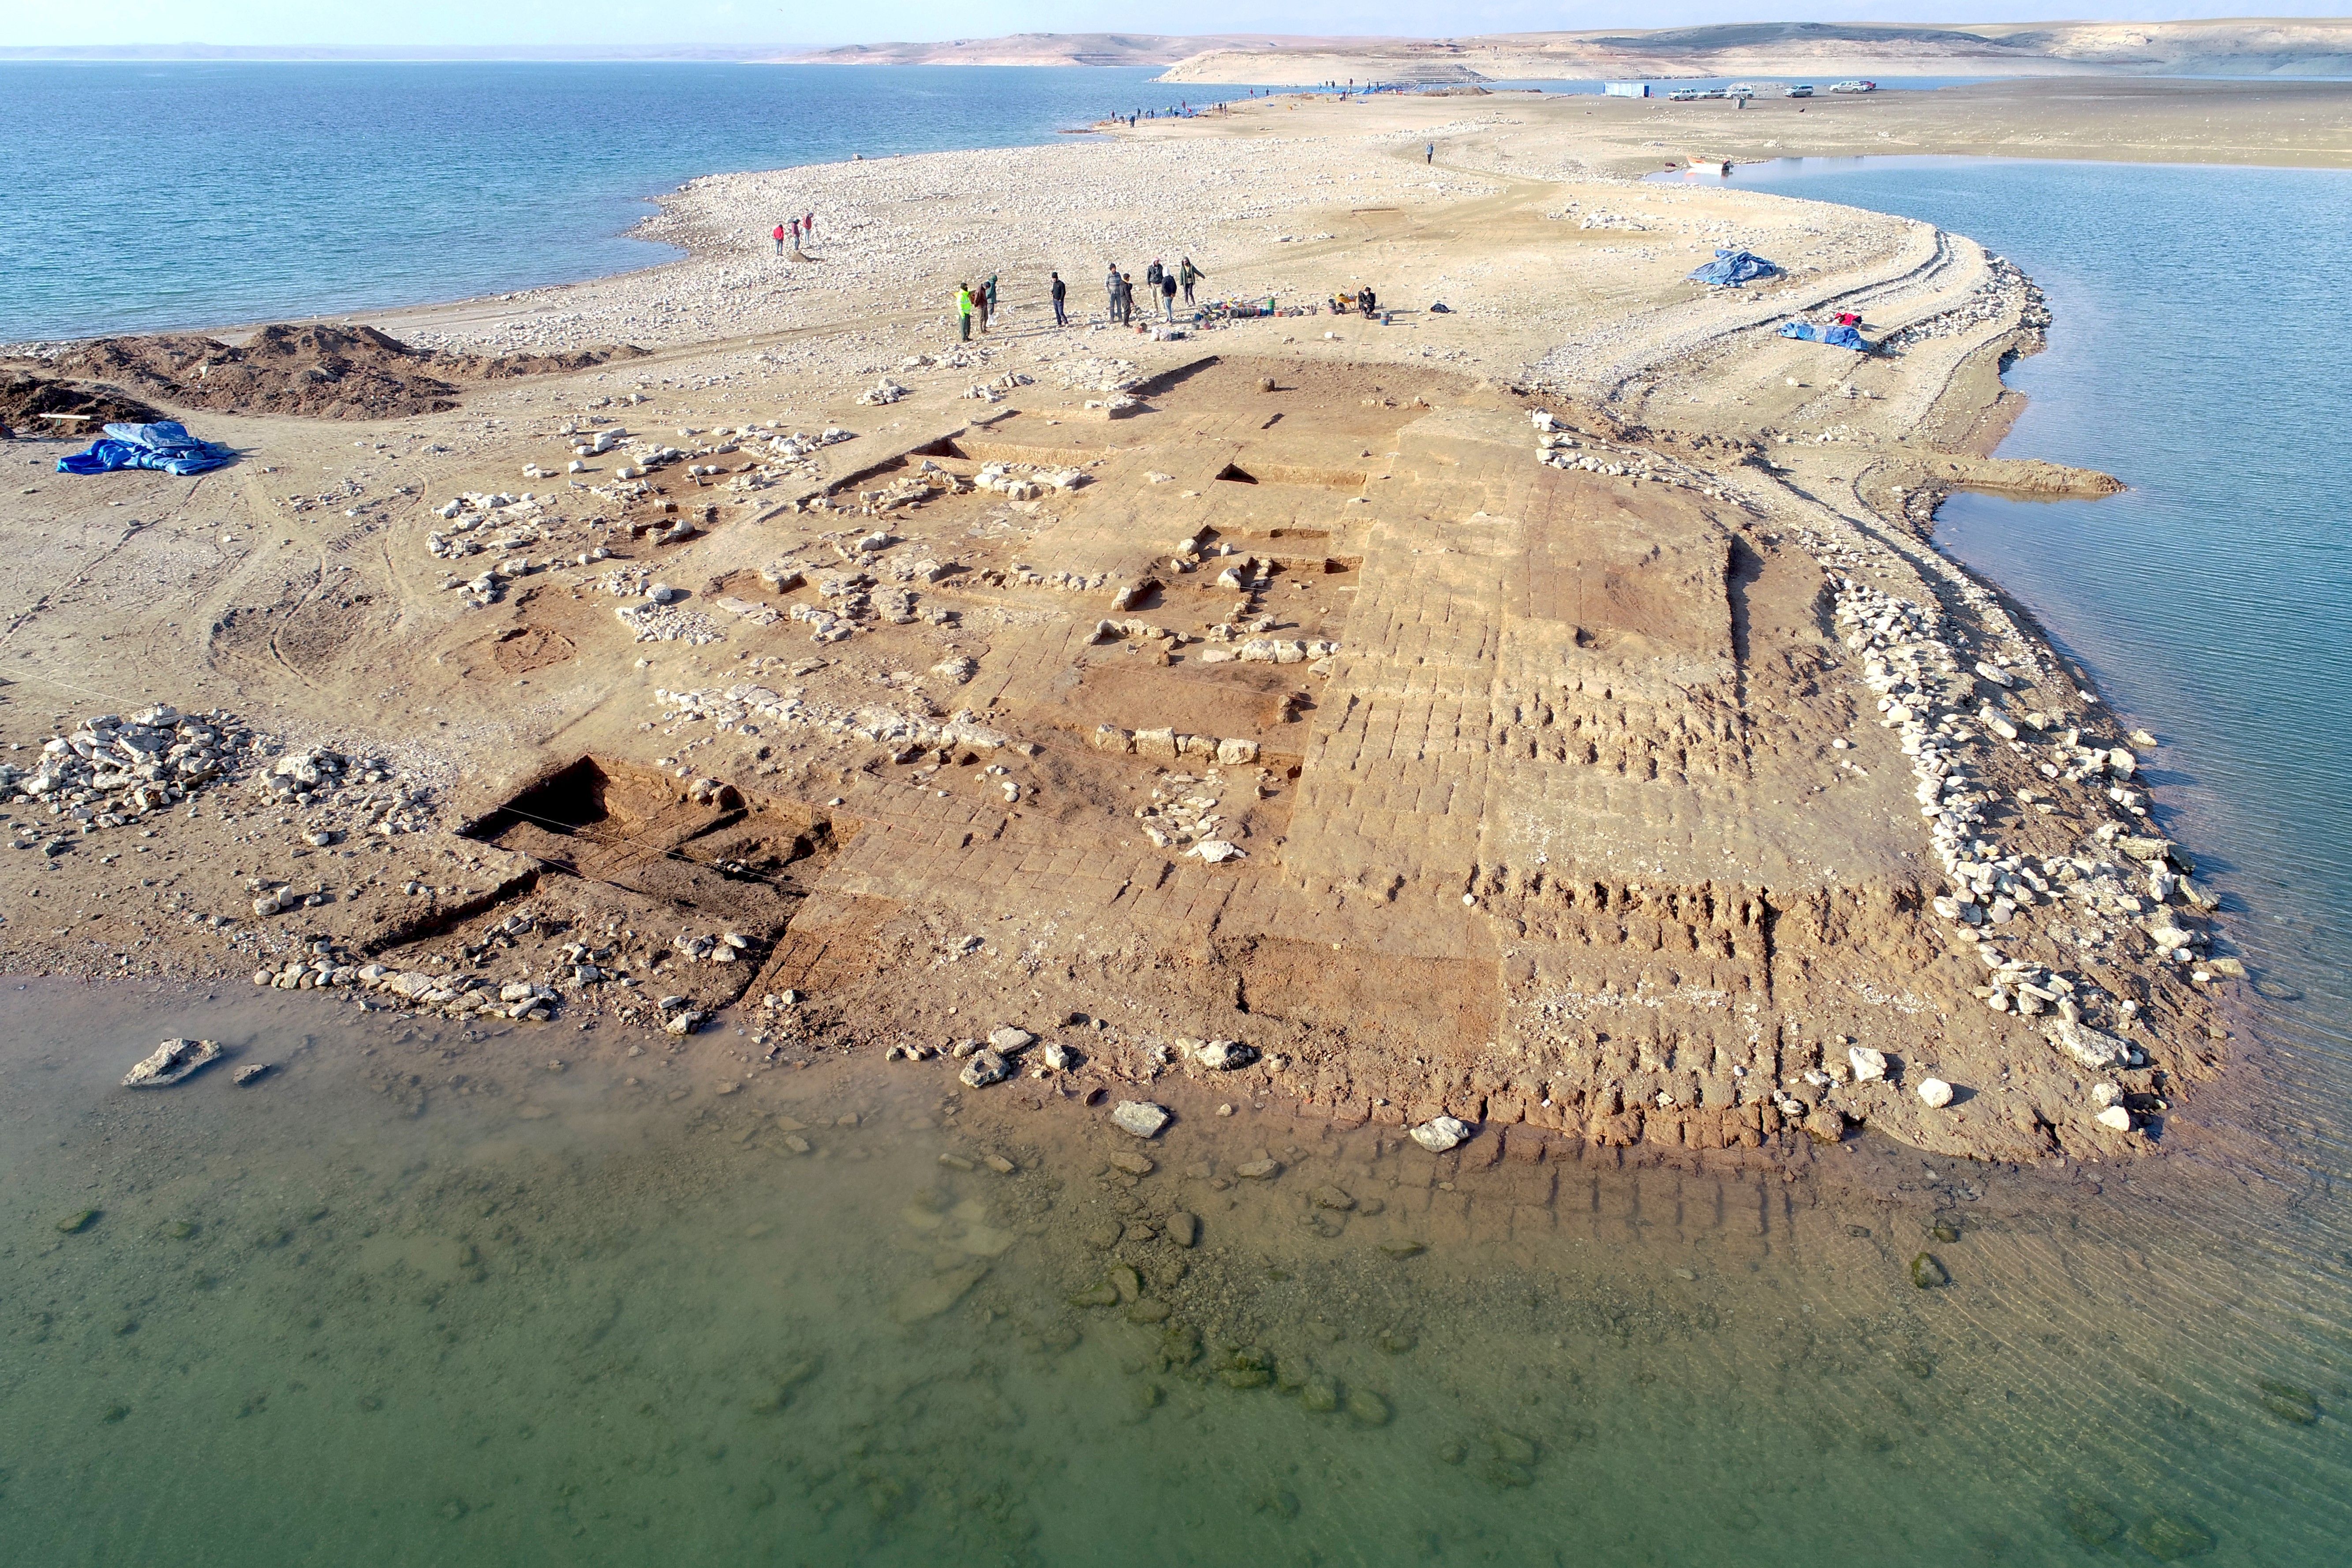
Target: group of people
982 302
1167 282
799 229
1119 288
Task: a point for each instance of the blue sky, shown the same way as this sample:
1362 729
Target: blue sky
604 24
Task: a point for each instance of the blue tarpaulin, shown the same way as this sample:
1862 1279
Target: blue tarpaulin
165 445
1838 335
1733 268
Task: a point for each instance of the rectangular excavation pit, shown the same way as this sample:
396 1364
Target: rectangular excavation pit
640 831
1294 474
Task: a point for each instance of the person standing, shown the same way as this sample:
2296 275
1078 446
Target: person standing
1188 275
990 291
1151 276
963 311
1110 291
1168 297
1429 154
1061 317
779 239
1125 300
808 225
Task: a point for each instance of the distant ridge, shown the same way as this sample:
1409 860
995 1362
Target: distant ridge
2283 46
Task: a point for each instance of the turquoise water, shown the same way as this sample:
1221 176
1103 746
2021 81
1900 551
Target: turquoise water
2202 324
155 194
421 1298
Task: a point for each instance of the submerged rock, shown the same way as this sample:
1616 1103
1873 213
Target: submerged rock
1441 1133
984 1068
929 1298
2168 1537
2092 1522
1927 1272
173 1061
2288 1402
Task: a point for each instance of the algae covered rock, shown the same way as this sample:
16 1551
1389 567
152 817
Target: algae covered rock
2092 1522
1927 1272
2288 1402
2168 1537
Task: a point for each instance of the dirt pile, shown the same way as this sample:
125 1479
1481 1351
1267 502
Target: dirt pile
26 395
313 372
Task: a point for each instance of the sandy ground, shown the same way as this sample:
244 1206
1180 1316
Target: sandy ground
1545 712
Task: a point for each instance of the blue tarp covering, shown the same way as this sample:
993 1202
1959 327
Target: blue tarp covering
165 445
1733 268
1838 335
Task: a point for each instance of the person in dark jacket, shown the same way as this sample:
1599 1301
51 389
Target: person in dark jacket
1187 274
1151 276
1168 295
1061 292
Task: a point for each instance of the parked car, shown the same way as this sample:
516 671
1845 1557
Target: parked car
1685 95
1799 91
1856 85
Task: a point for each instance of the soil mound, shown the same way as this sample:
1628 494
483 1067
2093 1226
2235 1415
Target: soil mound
313 372
26 395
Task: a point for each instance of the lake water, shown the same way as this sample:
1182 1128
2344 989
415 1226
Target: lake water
155 194
420 1297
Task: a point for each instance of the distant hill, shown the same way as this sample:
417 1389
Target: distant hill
1066 50
2288 47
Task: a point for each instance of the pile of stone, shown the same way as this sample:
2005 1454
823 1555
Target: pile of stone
1182 811
110 771
664 623
455 996
723 947
882 392
1027 481
739 706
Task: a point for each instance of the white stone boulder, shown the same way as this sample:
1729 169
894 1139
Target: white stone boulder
1868 1065
1441 1133
1935 1093
172 1061
1139 1117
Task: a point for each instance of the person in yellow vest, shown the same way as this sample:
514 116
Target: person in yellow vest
964 311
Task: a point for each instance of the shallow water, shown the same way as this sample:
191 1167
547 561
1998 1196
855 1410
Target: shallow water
164 195
2202 322
417 1298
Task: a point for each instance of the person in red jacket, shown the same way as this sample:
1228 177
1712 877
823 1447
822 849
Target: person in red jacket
779 239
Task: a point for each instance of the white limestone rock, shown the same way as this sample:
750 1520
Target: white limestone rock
1441 1133
1935 1093
2094 1049
1140 1117
1869 1065
172 1060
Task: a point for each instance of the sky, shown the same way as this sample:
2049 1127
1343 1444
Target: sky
606 24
